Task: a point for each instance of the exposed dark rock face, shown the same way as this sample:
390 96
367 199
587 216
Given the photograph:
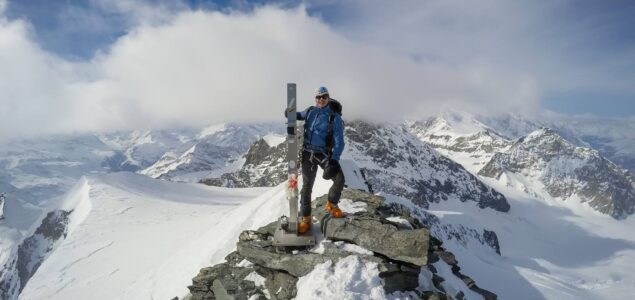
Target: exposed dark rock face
34 249
282 284
280 270
491 239
437 252
32 252
211 149
396 162
225 281
566 170
444 231
264 166
10 283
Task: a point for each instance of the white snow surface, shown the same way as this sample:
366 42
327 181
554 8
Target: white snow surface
133 237
549 249
349 278
143 238
273 140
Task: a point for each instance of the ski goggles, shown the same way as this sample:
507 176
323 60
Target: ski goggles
325 96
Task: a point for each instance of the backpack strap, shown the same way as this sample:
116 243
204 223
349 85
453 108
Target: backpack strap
329 134
306 118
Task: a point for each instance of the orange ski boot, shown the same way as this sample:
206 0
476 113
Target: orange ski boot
335 211
305 224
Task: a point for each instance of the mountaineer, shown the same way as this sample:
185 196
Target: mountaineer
323 145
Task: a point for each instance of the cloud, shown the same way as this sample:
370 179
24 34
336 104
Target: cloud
200 67
36 88
560 45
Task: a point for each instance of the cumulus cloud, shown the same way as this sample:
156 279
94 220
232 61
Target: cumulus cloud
199 67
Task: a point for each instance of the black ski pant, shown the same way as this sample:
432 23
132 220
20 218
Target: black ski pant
309 169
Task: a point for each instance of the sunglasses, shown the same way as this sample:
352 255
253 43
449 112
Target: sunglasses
322 97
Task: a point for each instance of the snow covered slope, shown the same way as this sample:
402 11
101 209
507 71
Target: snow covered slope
395 162
384 158
138 149
544 164
137 238
460 137
216 150
548 251
614 138
133 237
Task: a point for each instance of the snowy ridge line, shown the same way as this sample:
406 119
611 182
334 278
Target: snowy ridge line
216 150
156 245
543 162
63 217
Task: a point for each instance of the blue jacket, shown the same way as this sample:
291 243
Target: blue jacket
316 127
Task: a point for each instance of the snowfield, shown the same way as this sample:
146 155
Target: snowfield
549 249
139 238
134 237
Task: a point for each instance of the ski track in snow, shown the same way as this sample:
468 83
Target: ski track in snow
86 256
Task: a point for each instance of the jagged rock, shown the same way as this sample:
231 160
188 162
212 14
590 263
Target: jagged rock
459 296
447 257
437 280
487 295
264 166
370 231
225 281
230 289
491 239
399 268
280 285
297 265
403 245
34 249
396 162
430 295
257 248
400 281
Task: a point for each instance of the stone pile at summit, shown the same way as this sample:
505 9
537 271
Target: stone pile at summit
396 242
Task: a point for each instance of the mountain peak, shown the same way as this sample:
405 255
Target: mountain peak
564 170
212 129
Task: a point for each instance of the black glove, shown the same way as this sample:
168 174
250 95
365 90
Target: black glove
331 169
285 112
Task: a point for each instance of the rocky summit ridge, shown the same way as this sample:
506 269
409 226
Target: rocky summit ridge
398 245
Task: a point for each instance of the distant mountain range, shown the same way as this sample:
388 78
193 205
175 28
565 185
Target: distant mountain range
435 170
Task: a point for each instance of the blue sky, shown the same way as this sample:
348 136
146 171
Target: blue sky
573 57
